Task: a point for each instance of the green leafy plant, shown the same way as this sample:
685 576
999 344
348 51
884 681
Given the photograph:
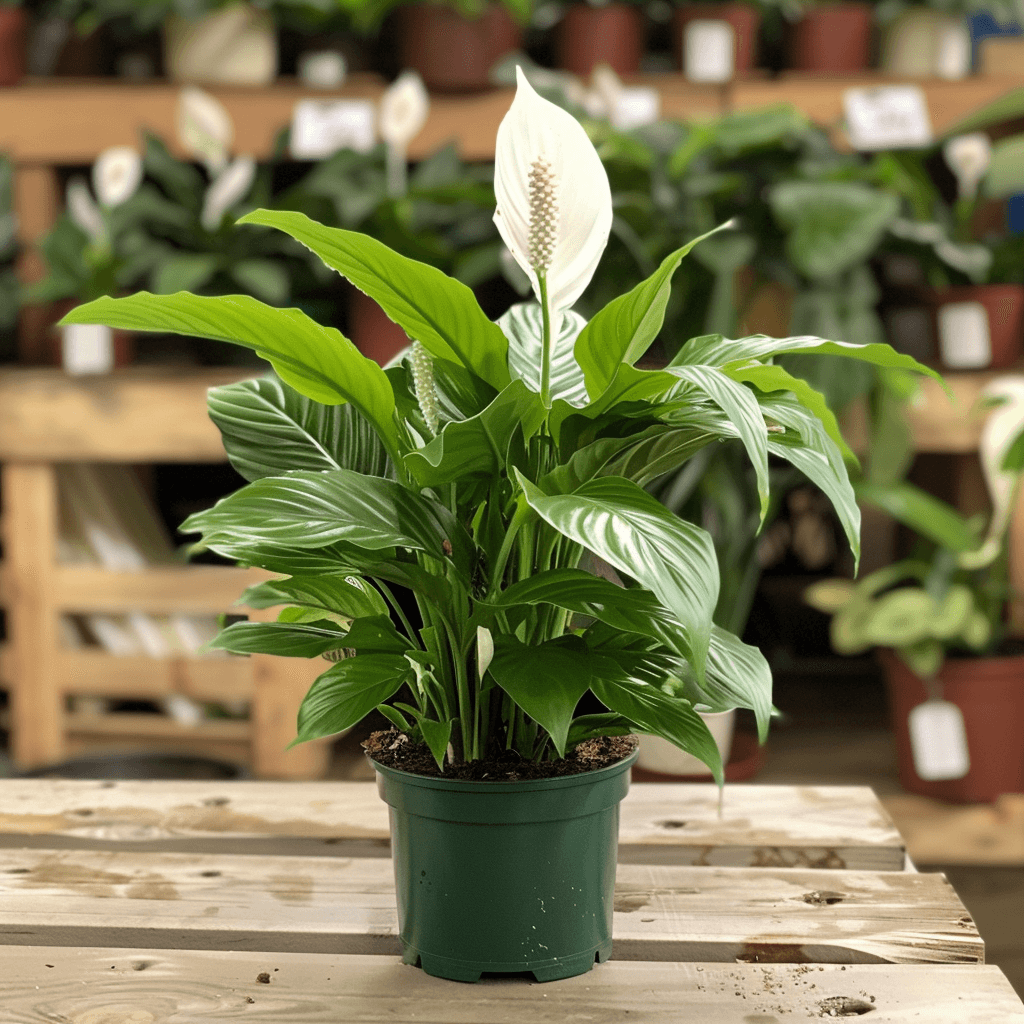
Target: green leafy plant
477 471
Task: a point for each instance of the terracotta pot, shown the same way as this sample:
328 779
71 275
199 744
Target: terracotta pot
235 45
371 331
612 34
990 694
13 28
453 53
744 19
833 38
968 339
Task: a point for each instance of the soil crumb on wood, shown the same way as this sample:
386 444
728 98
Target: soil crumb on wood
393 749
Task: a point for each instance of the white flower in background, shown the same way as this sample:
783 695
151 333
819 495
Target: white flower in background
968 157
554 203
605 91
484 650
82 209
205 128
229 187
403 110
116 175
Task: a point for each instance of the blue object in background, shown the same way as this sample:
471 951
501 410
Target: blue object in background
1015 217
984 26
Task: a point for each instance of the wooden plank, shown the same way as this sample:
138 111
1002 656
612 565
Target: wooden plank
37 200
725 915
833 827
146 986
980 834
133 415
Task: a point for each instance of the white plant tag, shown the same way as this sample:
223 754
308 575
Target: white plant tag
709 50
887 117
87 348
321 127
321 69
964 339
938 741
636 106
953 52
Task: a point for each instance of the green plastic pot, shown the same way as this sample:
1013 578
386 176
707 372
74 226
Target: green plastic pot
505 877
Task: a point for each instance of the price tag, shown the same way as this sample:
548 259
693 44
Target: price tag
636 106
965 342
938 741
709 50
888 117
321 127
87 348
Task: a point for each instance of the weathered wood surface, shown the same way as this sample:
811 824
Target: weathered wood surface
832 827
328 904
41 985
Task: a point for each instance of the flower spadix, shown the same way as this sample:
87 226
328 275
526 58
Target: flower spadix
554 204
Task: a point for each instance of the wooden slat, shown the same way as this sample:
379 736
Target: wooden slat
833 827
146 986
141 678
135 415
770 915
129 726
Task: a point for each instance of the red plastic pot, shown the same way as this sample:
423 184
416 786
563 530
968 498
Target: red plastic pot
1004 307
13 29
612 34
453 53
990 694
833 38
744 19
370 329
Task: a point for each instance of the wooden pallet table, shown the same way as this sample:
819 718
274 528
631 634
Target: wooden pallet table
151 902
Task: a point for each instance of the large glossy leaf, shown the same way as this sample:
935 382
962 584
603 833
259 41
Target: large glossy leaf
349 691
291 560
545 680
319 362
375 634
624 525
269 428
348 596
1005 175
312 510
922 512
522 325
429 306
477 446
624 329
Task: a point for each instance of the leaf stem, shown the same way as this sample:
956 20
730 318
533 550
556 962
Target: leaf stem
545 359
392 600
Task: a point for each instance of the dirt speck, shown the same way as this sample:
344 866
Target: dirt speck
844 1006
823 898
263 978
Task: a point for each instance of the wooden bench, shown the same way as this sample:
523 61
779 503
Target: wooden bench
145 902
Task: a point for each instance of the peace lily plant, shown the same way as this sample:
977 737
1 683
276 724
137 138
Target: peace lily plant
478 468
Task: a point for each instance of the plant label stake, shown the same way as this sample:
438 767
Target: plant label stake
965 342
709 48
321 127
939 741
890 117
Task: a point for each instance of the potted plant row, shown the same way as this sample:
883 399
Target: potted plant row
474 473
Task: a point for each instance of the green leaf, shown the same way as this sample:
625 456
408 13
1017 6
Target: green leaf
348 691
625 328
523 327
436 735
588 727
477 446
289 640
922 512
1005 175
268 280
348 596
313 510
546 680
439 312
269 429
624 525
319 362
185 271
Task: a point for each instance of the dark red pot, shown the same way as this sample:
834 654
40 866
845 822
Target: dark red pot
1004 306
370 329
453 53
833 38
612 34
744 19
990 694
13 30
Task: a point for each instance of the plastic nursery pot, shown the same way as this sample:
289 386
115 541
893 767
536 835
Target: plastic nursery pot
743 19
234 45
658 755
88 348
922 43
612 34
980 326
990 695
451 52
371 330
505 877
832 38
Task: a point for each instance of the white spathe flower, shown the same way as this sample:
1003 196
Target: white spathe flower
116 175
403 110
229 187
554 204
83 211
968 157
205 128
607 87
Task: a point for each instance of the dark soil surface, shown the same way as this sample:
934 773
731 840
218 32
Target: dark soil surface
394 749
